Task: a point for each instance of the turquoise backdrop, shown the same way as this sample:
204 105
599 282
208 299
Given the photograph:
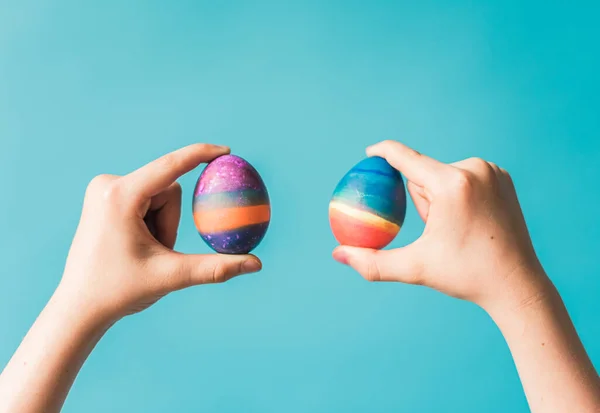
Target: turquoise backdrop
299 89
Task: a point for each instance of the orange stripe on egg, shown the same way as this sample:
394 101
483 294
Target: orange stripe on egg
353 232
366 217
227 219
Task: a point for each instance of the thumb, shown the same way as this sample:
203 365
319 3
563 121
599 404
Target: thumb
186 270
401 264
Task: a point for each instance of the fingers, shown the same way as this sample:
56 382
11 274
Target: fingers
500 173
402 264
187 270
487 172
153 178
420 169
504 180
164 213
496 170
420 200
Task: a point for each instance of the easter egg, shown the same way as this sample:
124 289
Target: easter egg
231 206
368 205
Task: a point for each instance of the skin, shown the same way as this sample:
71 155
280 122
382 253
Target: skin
476 247
121 262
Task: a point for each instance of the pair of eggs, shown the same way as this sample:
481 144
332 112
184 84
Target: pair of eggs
232 209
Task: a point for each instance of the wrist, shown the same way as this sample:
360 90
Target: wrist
526 289
77 312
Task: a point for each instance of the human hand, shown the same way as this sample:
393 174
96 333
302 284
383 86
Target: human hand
122 259
475 245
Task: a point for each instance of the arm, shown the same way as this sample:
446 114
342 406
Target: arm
476 247
116 266
555 370
41 372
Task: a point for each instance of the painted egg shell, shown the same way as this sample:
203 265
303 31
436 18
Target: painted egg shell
368 205
231 206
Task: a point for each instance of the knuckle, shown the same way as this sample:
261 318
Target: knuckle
373 273
478 163
412 154
494 166
483 169
203 147
176 275
102 188
461 183
508 179
219 273
99 181
112 192
459 187
170 161
506 174
476 166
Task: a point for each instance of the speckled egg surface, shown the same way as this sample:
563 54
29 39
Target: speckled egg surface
368 206
231 206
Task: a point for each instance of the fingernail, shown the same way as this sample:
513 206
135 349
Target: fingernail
251 266
340 256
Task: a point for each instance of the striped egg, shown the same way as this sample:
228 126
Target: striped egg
231 206
368 205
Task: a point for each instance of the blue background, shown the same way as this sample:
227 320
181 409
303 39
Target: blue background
299 90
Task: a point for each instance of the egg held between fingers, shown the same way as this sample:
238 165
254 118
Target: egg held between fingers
231 206
368 206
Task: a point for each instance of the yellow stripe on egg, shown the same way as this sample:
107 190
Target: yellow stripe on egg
365 216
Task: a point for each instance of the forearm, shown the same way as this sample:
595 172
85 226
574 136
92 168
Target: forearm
556 373
41 372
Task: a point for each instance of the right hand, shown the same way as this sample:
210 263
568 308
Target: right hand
122 258
475 245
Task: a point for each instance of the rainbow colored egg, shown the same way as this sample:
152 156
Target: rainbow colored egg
368 206
231 206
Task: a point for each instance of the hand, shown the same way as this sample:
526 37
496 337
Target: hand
475 245
121 262
122 257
